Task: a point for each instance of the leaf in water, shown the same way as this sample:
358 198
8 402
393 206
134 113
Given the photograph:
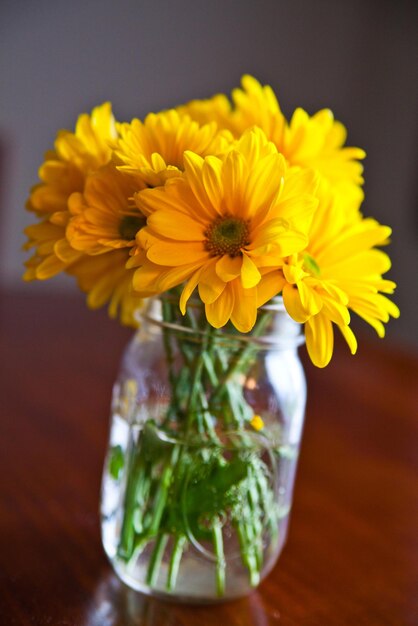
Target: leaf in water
212 494
116 462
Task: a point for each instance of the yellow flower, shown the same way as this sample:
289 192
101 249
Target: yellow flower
308 141
104 217
105 222
83 203
75 155
153 149
340 270
64 171
317 141
256 105
253 105
222 224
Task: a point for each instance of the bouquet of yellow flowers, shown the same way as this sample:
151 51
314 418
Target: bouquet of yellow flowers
223 206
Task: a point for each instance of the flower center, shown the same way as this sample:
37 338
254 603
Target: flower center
227 235
129 226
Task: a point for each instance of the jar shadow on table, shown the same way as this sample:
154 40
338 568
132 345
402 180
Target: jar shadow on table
114 604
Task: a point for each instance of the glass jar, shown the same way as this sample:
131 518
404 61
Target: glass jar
205 433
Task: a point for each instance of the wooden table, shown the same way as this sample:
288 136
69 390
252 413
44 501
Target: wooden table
351 558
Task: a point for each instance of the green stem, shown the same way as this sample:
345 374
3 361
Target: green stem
176 554
270 505
247 553
220 558
192 408
256 526
156 558
162 493
134 479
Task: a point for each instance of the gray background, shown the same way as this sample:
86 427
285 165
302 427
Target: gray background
357 57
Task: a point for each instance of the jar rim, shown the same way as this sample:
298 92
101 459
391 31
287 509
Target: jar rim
281 339
274 304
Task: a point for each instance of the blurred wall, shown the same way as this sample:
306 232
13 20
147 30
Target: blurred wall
357 57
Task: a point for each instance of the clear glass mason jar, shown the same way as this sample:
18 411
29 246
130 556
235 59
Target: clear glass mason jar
205 433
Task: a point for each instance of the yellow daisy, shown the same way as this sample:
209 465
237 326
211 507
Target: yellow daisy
64 171
105 221
308 141
317 141
257 105
253 105
104 217
220 224
339 271
75 155
153 149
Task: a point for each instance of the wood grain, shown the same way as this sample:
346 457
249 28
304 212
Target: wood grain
351 558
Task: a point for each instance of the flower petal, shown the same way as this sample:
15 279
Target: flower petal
263 184
210 285
212 181
293 304
310 299
250 275
193 167
269 286
219 311
175 225
349 336
176 253
49 267
188 290
228 268
65 252
244 314
319 339
234 175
